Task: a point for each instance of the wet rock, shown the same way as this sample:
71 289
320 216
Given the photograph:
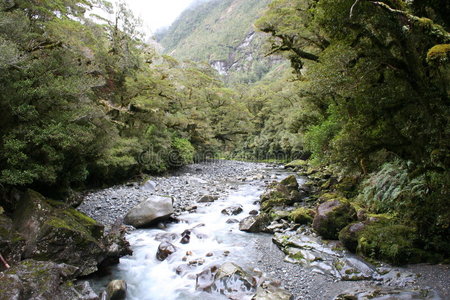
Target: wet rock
205 279
166 236
232 281
183 269
232 210
150 211
185 237
165 249
38 280
232 221
116 290
207 198
190 208
253 212
254 223
332 216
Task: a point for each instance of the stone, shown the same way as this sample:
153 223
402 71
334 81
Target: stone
116 290
150 211
165 249
254 223
36 280
332 216
232 210
61 234
270 290
253 212
281 194
349 235
149 186
207 198
232 221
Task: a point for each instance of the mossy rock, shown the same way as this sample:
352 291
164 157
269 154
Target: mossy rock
302 215
281 194
349 235
332 216
390 242
439 54
295 164
63 235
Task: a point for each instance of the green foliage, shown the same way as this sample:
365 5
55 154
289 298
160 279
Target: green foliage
182 152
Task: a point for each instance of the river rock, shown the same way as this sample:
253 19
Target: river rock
387 293
149 186
271 291
349 235
152 210
254 223
164 250
53 232
207 198
43 280
281 194
232 210
232 221
116 290
332 216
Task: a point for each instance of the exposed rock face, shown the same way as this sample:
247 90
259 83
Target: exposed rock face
116 290
63 235
38 280
332 216
164 250
152 210
254 223
281 194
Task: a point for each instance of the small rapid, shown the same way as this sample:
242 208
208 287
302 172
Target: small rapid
215 239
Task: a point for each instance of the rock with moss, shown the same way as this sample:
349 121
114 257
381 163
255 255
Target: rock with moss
332 216
33 280
390 242
53 232
302 215
116 290
296 164
349 235
281 194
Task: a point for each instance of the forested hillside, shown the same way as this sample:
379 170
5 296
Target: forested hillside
222 33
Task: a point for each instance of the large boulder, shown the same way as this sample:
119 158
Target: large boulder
254 223
52 231
332 216
42 280
281 194
150 211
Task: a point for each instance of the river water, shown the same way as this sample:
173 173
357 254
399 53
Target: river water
213 241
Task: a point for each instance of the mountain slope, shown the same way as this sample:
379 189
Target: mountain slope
221 32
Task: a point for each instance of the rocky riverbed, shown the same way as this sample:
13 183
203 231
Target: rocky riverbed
316 278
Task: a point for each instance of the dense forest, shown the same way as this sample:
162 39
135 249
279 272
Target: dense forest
86 102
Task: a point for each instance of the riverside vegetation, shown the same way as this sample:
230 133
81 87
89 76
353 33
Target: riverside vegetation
364 109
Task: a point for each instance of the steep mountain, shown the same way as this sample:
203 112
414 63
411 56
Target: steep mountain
221 32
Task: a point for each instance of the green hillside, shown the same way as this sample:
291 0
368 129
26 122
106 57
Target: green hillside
222 33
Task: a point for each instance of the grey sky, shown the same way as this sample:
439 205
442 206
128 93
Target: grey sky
158 13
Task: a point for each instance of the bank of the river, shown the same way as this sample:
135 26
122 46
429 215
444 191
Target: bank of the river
222 178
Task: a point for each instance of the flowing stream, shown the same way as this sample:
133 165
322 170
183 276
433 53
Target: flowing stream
323 272
213 241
